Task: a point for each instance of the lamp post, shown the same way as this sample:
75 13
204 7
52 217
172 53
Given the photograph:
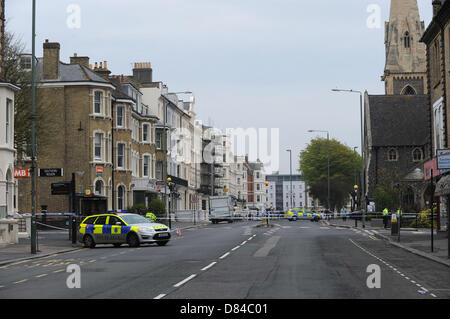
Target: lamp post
328 173
33 134
363 193
169 181
290 175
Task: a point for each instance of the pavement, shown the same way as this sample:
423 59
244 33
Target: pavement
414 240
52 242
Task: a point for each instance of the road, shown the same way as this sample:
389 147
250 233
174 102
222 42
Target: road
291 260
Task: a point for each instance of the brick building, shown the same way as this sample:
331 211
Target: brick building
103 137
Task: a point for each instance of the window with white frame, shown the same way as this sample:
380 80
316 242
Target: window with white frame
120 197
98 147
146 166
120 116
121 155
8 120
146 133
438 125
98 102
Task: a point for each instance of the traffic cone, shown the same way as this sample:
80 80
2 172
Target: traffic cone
179 233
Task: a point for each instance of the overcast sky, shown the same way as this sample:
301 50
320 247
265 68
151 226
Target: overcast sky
250 63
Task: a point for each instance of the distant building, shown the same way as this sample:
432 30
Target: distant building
279 192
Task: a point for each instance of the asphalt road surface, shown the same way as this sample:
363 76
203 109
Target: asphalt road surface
291 260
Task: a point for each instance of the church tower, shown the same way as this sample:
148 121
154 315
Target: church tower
405 71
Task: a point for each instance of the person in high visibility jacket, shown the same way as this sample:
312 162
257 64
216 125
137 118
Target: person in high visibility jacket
385 217
151 217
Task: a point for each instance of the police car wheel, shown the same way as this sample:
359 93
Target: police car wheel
133 240
162 243
89 241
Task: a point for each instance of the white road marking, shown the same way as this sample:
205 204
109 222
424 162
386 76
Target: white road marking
244 242
224 256
237 247
209 266
160 296
184 281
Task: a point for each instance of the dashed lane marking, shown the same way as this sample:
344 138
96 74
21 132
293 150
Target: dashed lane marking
185 281
209 266
160 296
224 255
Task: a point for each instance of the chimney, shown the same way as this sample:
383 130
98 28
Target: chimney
81 60
102 70
437 4
51 60
143 72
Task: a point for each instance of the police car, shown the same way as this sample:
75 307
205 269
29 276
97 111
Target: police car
298 213
118 229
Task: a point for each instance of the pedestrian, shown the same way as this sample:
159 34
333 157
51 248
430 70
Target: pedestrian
385 217
399 217
344 214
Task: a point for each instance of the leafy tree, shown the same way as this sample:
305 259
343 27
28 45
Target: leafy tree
158 208
13 73
313 163
385 198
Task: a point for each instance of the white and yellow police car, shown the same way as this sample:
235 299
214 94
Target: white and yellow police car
299 213
118 229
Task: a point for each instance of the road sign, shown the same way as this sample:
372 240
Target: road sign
62 188
51 172
21 173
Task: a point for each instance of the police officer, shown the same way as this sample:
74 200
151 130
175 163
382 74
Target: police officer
151 217
385 217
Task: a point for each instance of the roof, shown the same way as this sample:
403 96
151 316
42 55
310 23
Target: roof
399 120
70 73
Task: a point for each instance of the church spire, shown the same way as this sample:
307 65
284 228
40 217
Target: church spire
405 55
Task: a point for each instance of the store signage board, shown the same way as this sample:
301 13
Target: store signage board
443 159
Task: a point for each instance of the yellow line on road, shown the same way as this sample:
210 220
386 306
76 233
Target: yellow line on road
60 270
21 281
43 275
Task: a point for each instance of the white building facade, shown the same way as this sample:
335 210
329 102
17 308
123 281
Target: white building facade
8 184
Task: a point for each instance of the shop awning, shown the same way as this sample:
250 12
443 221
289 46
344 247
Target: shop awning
443 186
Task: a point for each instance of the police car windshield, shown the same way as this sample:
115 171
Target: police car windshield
134 219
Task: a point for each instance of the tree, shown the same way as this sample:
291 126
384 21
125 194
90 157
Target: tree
14 73
313 163
158 208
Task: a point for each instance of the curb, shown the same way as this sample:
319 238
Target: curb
10 261
409 249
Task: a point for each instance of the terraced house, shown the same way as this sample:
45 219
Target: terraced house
102 138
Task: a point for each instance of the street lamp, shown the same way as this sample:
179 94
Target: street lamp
328 151
290 175
363 193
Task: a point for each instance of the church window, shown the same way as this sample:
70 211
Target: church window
408 90
392 155
407 40
417 155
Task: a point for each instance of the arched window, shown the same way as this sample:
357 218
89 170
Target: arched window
407 40
417 155
409 90
392 155
99 187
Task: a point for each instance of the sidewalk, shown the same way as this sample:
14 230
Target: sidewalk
416 241
57 242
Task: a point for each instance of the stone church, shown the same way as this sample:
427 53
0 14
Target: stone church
397 124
